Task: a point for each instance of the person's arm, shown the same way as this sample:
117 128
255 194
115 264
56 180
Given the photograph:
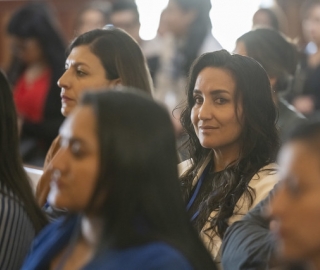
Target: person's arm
248 243
43 186
16 232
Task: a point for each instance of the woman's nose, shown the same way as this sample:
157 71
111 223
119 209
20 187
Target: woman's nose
64 81
204 111
59 161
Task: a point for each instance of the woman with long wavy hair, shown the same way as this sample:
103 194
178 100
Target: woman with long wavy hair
230 120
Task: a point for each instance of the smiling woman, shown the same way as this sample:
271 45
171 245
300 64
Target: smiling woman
230 119
214 94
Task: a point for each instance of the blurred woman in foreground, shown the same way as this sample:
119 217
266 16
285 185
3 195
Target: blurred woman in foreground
116 173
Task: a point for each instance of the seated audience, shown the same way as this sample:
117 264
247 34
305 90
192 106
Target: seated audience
125 15
307 96
188 27
230 119
20 217
279 58
116 173
96 59
37 63
293 205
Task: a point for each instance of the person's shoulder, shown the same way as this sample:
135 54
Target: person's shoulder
49 242
53 230
265 174
184 166
159 255
264 181
16 230
155 255
12 210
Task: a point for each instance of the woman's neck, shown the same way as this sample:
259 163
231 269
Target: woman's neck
225 156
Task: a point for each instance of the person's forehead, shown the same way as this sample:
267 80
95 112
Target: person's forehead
80 124
82 54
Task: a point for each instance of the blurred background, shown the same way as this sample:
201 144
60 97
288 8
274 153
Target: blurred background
230 18
34 36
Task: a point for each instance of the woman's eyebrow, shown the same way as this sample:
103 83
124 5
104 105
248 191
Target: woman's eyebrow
213 92
76 64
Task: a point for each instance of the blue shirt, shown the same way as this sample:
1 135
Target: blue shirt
55 237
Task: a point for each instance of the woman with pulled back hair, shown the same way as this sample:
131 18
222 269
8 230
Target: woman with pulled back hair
98 59
233 141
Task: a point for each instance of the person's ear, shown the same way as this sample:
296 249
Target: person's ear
273 81
116 82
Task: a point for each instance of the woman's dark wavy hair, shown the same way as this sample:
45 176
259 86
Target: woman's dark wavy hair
119 54
274 52
198 30
12 174
259 137
138 169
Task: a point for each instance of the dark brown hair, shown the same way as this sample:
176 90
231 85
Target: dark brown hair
120 56
259 138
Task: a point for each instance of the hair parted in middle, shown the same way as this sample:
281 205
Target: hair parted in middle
259 142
